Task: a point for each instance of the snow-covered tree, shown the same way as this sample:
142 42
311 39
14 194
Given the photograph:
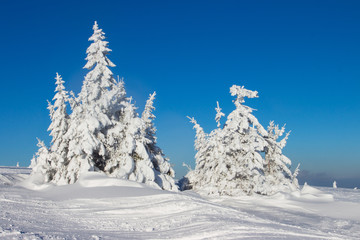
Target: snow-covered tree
278 174
136 155
59 126
163 171
42 170
54 157
229 161
194 178
94 111
59 118
243 137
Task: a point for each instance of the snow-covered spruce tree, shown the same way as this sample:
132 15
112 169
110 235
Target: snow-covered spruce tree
243 138
277 173
59 118
47 161
92 115
196 177
209 158
137 157
148 138
58 128
231 163
105 133
42 171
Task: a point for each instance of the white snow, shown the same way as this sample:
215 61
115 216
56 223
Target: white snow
100 207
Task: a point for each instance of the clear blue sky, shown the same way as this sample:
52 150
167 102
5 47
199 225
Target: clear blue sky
302 56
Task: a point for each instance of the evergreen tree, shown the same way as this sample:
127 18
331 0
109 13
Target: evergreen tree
58 127
229 161
242 165
163 171
195 178
42 171
210 153
97 105
278 174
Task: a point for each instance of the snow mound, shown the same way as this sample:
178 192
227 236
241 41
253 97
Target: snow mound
93 185
98 179
308 193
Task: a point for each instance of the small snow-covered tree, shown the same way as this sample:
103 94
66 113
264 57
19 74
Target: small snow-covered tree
210 155
163 171
135 155
42 170
195 177
277 172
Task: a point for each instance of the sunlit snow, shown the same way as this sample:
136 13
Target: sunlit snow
100 207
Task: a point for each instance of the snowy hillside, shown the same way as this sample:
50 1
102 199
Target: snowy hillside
9 175
99 207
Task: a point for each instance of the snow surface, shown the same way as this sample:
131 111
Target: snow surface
99 207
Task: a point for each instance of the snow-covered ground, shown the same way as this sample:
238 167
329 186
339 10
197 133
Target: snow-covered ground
98 207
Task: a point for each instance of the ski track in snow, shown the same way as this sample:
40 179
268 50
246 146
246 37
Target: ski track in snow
127 210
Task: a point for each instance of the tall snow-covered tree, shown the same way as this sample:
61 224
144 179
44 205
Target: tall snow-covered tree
59 126
59 118
98 104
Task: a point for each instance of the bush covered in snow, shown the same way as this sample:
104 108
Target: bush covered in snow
103 132
229 160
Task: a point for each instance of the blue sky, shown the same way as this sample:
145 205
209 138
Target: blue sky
303 57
